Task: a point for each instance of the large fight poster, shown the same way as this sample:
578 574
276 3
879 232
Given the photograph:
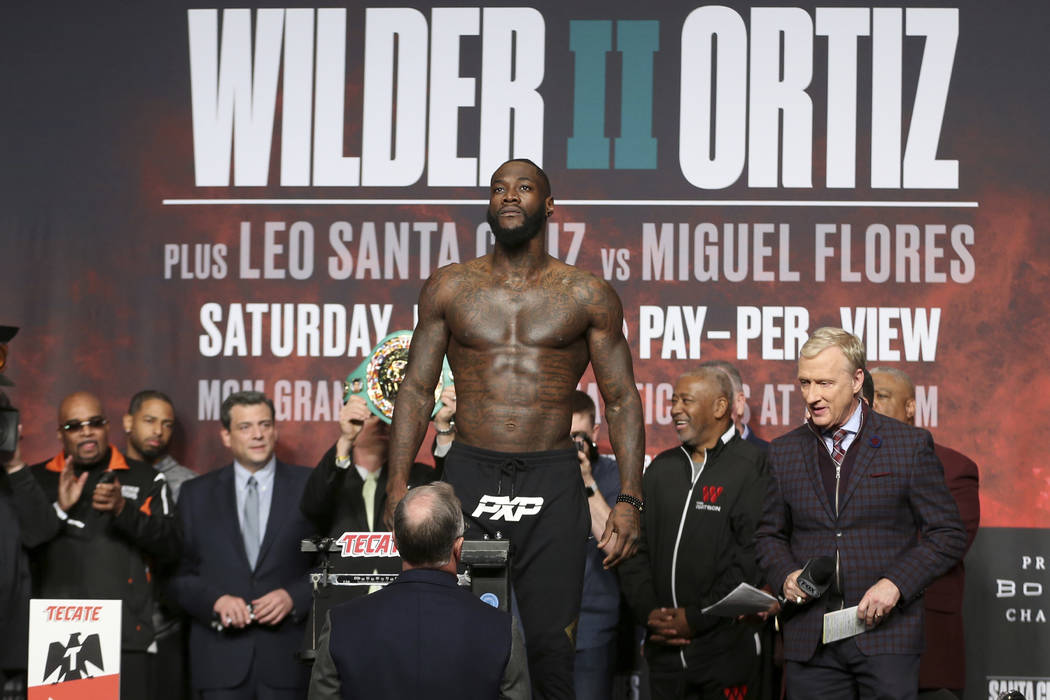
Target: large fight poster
200 199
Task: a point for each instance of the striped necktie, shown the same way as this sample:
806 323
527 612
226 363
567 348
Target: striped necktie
837 452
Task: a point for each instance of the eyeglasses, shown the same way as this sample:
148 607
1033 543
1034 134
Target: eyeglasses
73 426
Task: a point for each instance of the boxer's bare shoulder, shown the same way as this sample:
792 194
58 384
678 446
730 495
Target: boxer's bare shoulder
519 328
564 296
519 340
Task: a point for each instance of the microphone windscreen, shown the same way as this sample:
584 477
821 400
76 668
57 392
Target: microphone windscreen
816 576
821 569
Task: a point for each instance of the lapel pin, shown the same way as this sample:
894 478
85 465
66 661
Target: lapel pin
876 441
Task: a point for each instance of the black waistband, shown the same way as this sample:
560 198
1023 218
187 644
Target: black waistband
532 459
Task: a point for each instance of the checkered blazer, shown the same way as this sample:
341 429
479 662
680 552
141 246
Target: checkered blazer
896 520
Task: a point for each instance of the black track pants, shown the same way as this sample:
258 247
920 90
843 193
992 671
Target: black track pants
536 500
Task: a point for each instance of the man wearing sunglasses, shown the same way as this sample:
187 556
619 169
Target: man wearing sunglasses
112 522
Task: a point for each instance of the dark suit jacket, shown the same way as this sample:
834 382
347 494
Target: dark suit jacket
896 520
214 564
943 663
333 503
755 439
420 637
332 498
26 520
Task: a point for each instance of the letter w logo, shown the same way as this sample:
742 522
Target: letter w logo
711 493
506 508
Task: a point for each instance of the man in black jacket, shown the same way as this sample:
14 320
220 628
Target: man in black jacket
107 531
346 493
702 502
335 497
24 524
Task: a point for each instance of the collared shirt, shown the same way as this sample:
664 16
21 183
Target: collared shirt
698 467
264 479
364 472
851 426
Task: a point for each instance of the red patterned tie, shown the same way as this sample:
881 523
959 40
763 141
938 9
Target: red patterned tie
837 453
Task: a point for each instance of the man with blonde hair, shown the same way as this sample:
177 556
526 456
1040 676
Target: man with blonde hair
867 493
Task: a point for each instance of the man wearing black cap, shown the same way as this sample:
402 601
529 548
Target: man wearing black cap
21 500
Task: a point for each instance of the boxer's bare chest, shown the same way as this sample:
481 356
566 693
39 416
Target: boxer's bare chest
545 312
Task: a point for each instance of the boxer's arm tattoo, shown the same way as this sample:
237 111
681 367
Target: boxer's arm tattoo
611 359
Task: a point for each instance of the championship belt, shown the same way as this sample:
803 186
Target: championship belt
379 377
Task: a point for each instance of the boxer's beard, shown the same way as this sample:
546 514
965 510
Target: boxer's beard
518 236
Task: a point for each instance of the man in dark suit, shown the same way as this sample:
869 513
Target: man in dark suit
943 664
422 635
346 492
869 492
242 577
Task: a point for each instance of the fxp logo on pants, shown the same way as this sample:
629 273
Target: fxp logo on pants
506 508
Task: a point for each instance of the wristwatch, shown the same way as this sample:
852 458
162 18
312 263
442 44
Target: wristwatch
589 488
451 428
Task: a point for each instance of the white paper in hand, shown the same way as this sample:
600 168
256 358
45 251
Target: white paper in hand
745 599
841 624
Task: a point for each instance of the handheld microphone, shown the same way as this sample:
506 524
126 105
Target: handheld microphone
816 576
107 477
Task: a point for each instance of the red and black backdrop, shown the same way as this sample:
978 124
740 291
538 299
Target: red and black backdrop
199 199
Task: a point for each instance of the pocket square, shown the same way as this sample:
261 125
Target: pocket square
876 476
